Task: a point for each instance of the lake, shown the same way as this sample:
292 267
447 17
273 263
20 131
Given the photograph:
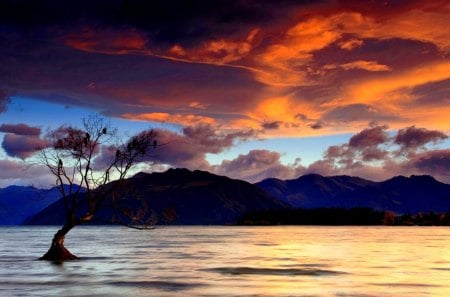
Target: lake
230 261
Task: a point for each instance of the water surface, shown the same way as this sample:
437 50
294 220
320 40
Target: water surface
230 261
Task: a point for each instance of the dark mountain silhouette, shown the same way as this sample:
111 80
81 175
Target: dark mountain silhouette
399 194
180 196
17 203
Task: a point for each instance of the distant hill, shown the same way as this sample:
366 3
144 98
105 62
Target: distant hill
17 203
180 196
399 194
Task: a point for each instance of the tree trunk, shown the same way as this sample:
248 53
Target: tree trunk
57 251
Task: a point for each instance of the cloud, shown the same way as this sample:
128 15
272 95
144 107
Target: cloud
435 162
369 137
20 129
22 146
415 20
316 125
271 125
107 41
221 51
413 138
189 148
372 154
281 115
381 89
365 65
164 117
281 60
361 155
150 85
358 113
350 44
257 165
435 94
368 154
287 57
223 62
20 173
163 21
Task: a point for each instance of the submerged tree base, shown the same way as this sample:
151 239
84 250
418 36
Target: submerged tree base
58 253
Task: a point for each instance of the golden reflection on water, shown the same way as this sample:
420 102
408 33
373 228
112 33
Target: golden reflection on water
335 261
234 261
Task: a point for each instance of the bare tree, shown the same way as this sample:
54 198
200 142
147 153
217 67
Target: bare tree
71 156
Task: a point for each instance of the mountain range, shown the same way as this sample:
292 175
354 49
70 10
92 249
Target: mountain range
17 203
399 194
180 196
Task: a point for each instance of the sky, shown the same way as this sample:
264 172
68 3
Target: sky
246 89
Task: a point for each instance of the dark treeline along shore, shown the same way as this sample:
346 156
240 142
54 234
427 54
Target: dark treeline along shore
343 217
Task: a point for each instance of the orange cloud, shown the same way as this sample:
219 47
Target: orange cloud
104 41
285 56
366 65
423 25
284 111
361 64
283 60
217 51
197 105
350 44
389 88
163 117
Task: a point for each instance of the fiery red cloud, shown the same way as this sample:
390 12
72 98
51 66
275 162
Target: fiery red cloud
277 68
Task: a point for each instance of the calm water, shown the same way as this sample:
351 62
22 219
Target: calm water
230 261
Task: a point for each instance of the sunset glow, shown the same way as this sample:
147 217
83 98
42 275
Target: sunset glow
222 82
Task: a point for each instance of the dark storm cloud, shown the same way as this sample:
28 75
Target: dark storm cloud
165 22
412 137
383 9
20 129
53 72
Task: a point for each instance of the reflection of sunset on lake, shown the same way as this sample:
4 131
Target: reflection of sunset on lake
245 261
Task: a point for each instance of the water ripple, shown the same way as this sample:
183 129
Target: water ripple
273 271
418 285
162 285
